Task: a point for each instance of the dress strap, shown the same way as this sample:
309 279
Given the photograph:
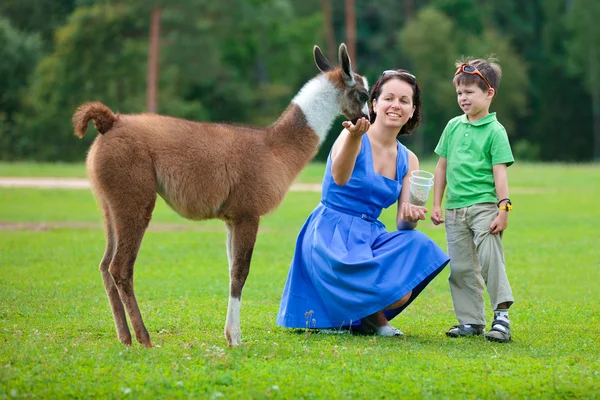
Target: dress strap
402 164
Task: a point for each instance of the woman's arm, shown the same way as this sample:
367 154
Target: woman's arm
408 214
346 149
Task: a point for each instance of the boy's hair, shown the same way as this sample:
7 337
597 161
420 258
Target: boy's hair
409 78
488 67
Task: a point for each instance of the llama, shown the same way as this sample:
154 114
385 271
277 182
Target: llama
205 171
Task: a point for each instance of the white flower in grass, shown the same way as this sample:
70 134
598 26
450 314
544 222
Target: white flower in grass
217 395
126 390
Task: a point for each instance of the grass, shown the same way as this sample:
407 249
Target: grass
57 338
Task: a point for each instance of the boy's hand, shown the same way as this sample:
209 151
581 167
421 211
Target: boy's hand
436 216
358 129
500 222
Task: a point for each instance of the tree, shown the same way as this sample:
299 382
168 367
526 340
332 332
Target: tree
99 55
511 100
582 21
153 61
433 43
328 27
237 61
18 54
562 122
427 42
37 17
350 12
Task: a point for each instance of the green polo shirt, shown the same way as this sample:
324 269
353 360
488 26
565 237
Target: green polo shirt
471 150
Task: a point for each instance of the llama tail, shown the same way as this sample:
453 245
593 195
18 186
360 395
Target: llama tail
103 118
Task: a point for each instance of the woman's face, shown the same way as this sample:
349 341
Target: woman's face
394 106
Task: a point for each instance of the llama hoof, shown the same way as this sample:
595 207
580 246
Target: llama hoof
126 340
144 339
233 336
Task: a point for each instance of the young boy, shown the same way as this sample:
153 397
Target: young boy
474 154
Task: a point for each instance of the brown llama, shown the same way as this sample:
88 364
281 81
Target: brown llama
204 171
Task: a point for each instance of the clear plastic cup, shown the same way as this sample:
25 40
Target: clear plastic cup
419 190
421 173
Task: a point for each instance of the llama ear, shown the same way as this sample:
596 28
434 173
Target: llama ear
322 63
347 73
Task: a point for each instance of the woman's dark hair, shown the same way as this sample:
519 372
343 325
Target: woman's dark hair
407 77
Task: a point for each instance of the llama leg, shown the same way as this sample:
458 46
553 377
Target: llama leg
243 237
109 284
130 225
228 244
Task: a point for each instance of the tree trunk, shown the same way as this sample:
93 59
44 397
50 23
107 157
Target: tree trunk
153 57
329 34
351 31
408 9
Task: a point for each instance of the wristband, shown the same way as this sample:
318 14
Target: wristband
508 205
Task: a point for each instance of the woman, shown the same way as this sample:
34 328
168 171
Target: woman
347 269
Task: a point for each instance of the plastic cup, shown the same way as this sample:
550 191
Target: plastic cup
419 190
421 173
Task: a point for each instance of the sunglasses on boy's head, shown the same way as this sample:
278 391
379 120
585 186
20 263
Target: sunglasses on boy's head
471 70
394 72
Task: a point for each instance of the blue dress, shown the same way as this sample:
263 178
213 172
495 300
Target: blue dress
346 266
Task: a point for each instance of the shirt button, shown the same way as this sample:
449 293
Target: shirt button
466 134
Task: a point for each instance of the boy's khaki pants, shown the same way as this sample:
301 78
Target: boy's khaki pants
476 257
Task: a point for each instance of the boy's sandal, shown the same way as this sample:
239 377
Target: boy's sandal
500 332
462 330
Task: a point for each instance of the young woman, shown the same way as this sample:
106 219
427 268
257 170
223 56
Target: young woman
348 270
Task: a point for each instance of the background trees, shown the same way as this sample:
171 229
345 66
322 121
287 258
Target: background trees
242 61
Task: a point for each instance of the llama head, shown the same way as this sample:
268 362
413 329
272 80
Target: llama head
354 89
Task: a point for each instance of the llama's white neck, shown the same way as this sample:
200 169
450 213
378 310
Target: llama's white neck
318 100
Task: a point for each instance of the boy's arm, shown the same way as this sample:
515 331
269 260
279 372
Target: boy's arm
501 182
439 186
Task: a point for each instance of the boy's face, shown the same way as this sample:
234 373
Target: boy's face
474 101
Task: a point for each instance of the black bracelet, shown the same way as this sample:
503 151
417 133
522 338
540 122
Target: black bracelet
507 201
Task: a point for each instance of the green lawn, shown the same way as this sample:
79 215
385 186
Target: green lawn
57 338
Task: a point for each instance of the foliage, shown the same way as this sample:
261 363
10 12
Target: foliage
585 56
242 61
98 56
37 17
101 52
433 44
58 338
511 99
427 42
18 55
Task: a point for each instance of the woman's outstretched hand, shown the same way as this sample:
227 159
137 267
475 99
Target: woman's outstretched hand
358 129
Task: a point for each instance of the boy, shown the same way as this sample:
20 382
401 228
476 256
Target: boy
474 154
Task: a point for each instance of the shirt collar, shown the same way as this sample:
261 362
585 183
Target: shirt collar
491 117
